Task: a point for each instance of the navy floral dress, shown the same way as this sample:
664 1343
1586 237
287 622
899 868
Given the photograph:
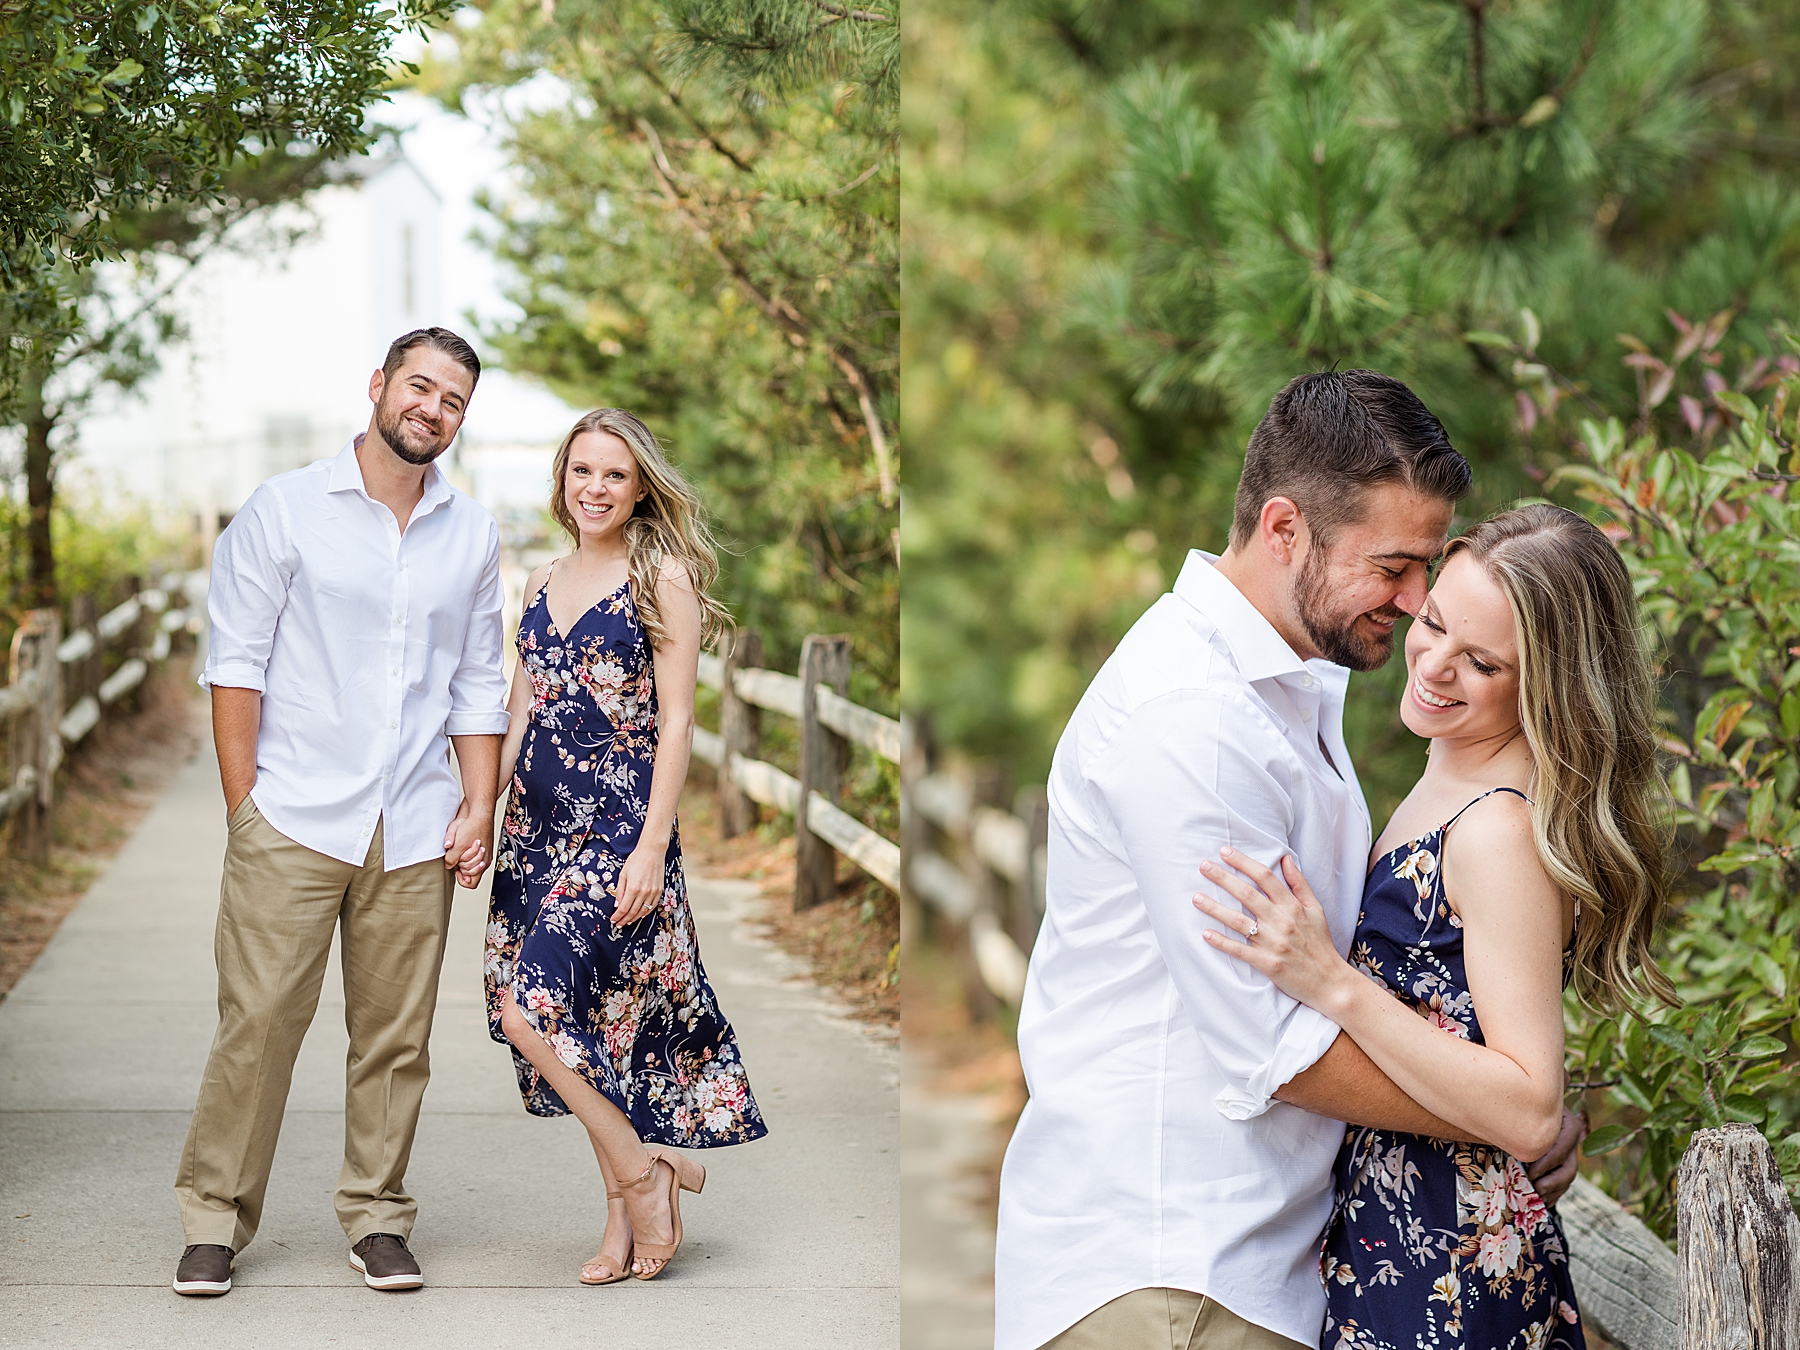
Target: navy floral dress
1433 1244
628 1008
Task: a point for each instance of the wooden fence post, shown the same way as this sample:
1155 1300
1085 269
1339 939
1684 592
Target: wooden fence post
823 660
1739 1244
83 677
1031 805
740 726
35 741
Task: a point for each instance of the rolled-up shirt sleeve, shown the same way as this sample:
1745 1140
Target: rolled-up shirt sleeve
252 569
1183 776
478 688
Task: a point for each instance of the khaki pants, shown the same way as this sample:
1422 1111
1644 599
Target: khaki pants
1167 1319
278 905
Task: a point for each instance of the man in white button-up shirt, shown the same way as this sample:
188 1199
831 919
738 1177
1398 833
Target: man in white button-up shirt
355 610
1170 1178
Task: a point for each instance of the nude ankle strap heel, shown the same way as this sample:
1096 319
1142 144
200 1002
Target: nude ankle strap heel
598 1264
683 1174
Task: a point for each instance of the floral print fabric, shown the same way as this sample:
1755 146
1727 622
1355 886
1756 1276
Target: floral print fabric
1433 1244
628 1008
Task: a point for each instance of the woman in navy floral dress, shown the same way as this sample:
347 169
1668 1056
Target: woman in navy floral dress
592 967
1527 670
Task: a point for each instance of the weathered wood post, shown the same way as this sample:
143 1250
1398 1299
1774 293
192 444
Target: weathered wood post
35 741
1739 1243
740 726
1031 805
823 660
83 675
133 643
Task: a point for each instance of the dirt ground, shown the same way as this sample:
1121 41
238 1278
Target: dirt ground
104 789
852 943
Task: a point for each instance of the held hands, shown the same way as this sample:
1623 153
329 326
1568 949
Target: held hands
466 844
1284 929
639 888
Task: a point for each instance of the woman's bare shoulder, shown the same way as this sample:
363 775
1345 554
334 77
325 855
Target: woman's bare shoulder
535 582
674 572
1491 862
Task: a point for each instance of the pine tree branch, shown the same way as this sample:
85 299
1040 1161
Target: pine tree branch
1483 120
1477 11
1588 45
668 92
778 310
864 15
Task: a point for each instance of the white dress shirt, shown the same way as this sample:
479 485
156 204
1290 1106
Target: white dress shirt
370 648
1151 1153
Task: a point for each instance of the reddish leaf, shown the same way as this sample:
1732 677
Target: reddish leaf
1528 413
1692 412
1659 388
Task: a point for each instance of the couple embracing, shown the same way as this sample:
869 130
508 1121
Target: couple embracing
1289 1087
356 633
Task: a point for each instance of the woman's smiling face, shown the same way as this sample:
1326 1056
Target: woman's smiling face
601 483
1462 658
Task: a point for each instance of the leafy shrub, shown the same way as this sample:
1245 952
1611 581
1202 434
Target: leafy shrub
98 548
1697 489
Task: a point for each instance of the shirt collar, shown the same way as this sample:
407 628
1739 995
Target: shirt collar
1258 651
346 476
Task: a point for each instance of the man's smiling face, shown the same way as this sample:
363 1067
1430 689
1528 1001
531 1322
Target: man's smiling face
419 408
1348 597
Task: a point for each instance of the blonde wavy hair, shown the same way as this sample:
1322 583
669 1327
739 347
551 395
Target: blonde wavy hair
668 525
1587 701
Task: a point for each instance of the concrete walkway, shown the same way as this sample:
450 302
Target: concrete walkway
795 1242
947 1278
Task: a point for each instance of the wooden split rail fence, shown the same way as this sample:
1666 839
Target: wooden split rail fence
979 869
60 689
829 724
1735 1284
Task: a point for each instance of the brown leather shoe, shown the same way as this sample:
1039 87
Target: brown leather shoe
385 1262
205 1271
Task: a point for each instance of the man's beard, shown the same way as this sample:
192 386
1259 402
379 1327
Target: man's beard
402 440
1333 636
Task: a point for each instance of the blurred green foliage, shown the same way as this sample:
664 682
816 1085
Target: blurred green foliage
704 231
99 547
1126 226
1694 475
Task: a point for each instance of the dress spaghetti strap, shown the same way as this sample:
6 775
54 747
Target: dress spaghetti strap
1483 797
1576 926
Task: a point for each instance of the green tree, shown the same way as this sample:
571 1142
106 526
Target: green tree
108 107
1357 183
705 233
111 322
1044 509
145 131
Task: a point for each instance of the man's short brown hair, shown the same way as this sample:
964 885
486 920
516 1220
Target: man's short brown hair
1330 436
440 339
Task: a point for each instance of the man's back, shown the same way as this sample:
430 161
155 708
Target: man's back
1150 1154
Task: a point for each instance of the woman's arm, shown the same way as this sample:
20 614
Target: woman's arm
518 698
677 668
1509 1090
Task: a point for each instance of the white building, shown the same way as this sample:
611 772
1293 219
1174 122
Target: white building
276 368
